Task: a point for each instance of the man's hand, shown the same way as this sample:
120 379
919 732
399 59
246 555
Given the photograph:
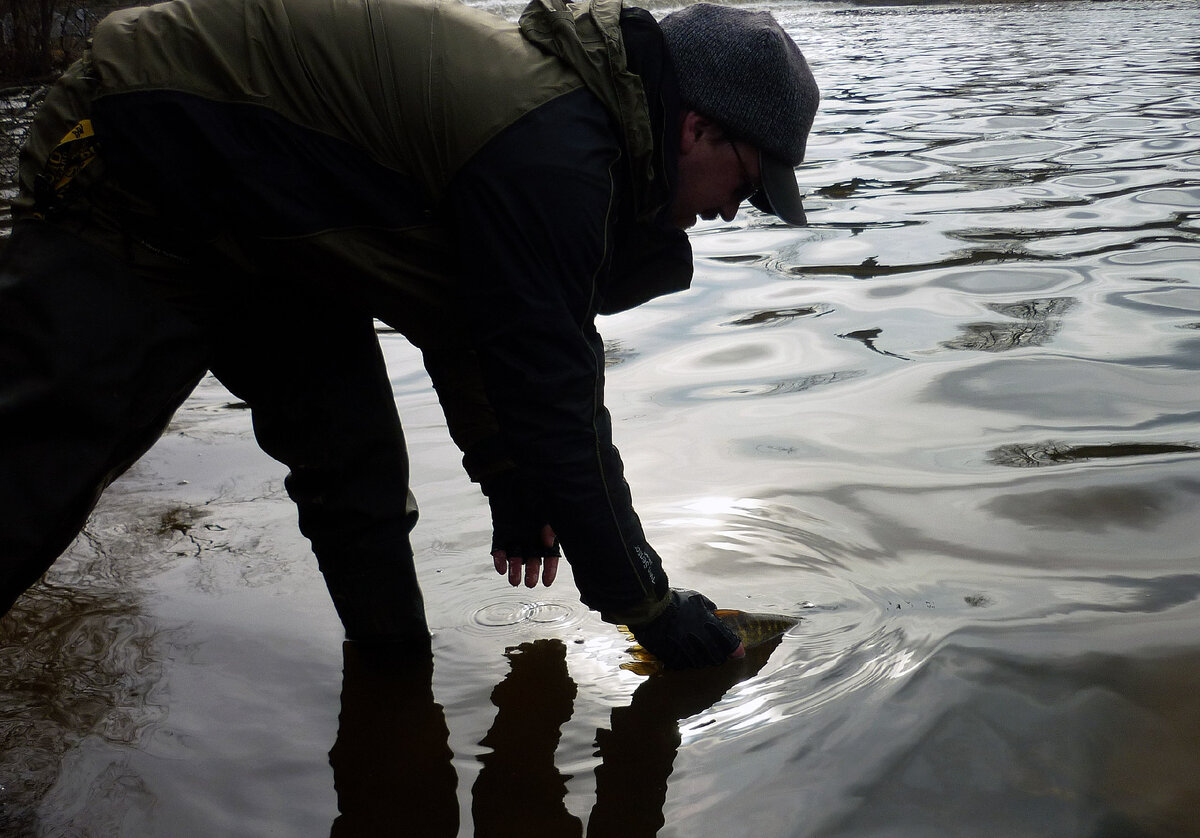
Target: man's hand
688 635
523 544
530 566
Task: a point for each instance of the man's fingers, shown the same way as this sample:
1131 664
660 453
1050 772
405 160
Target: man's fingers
532 568
518 568
504 564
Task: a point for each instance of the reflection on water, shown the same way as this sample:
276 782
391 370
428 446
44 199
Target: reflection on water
1038 322
1034 742
393 767
1056 453
953 422
776 317
867 338
81 662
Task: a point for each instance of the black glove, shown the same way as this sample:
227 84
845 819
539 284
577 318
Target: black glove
687 634
517 518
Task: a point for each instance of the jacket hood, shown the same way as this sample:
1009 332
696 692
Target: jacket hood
587 36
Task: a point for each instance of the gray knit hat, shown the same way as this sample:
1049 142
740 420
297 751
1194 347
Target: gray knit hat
742 70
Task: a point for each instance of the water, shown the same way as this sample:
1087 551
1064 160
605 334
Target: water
953 425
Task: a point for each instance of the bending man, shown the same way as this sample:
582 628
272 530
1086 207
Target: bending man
242 186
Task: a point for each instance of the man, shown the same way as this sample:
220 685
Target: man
241 186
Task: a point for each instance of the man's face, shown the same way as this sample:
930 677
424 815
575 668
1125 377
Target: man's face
715 173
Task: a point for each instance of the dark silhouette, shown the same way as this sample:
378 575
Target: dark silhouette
392 762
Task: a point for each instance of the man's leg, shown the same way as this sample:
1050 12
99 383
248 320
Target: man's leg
313 374
91 370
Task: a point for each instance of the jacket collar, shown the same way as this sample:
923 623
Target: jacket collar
588 37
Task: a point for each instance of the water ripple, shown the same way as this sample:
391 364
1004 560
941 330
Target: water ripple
501 613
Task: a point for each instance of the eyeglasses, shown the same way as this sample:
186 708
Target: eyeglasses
748 187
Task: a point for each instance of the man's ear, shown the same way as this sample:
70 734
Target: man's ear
694 127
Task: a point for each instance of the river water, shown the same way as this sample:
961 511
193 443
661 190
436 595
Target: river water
953 425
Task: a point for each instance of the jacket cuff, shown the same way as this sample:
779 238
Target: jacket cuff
638 613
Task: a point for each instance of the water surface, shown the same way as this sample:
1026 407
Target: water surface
953 425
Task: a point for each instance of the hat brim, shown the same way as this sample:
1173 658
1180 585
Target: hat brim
780 194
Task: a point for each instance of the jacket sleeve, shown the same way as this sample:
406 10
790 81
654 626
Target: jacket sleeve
534 214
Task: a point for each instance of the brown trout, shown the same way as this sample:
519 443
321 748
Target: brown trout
753 629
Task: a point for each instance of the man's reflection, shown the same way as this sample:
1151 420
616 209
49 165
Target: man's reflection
638 751
519 791
392 761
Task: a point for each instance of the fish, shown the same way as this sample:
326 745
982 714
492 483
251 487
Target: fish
754 629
